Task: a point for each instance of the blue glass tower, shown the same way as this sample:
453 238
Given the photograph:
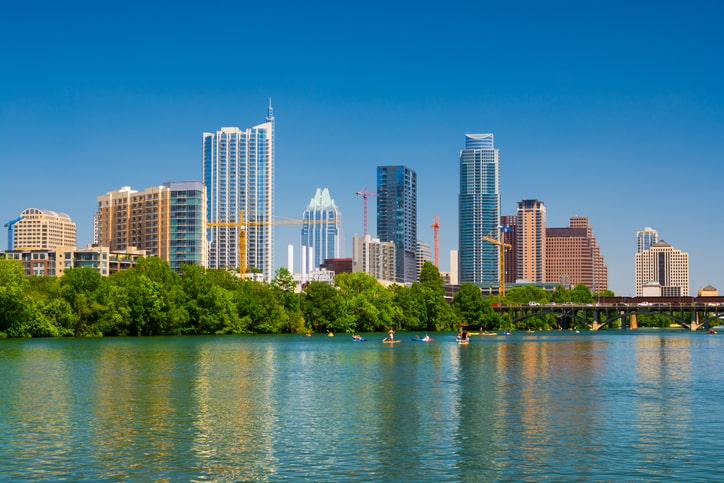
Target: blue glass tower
397 217
321 231
479 210
186 224
238 173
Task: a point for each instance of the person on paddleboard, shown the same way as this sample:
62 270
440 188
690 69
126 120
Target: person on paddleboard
391 334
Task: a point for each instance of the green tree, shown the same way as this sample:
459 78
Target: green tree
284 287
322 307
14 311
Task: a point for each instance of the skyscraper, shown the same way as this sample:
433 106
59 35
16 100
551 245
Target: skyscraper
645 238
397 217
531 241
479 210
238 173
321 231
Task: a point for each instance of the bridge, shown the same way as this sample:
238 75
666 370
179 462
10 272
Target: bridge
688 313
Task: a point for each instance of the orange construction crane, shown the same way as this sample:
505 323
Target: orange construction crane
436 230
502 246
364 194
241 224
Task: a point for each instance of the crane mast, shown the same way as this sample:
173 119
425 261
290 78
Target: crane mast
436 247
502 247
364 194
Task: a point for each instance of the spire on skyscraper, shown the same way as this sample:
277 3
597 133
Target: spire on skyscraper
270 113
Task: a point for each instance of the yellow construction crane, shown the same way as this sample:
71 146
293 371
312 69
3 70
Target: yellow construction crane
502 246
241 224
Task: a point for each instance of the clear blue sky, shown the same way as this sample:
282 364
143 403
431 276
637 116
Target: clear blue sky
612 110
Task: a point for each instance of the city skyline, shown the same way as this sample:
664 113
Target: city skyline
614 117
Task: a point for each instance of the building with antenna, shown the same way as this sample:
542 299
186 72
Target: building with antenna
321 236
238 173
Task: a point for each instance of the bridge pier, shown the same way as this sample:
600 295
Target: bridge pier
633 323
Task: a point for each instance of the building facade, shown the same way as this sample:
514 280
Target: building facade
662 264
645 238
42 230
424 254
54 263
574 257
374 257
397 217
531 241
238 173
479 210
167 221
321 231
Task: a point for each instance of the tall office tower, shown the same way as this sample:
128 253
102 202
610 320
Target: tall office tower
645 238
42 230
238 173
397 216
531 240
479 210
424 254
664 266
321 231
166 220
374 257
509 224
573 256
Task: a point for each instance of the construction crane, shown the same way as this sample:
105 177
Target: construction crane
502 246
436 230
242 225
9 226
364 194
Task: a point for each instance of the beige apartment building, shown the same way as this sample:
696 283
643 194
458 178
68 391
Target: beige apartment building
43 230
374 257
168 221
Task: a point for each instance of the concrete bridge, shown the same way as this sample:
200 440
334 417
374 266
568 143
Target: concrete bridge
689 314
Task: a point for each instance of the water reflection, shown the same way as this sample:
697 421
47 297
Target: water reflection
628 406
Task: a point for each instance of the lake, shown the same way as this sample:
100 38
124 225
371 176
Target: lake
643 405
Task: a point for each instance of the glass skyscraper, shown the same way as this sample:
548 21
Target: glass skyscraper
321 231
397 217
238 173
479 210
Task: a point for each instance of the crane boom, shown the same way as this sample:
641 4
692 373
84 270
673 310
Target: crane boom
502 247
11 230
241 224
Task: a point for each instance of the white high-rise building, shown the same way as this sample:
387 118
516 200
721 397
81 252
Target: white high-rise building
321 231
238 172
664 266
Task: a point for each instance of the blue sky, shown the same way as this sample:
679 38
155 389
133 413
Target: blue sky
611 110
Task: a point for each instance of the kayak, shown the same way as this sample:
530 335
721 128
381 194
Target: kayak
390 341
422 339
359 340
460 340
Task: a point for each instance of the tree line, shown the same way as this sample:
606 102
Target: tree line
152 299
